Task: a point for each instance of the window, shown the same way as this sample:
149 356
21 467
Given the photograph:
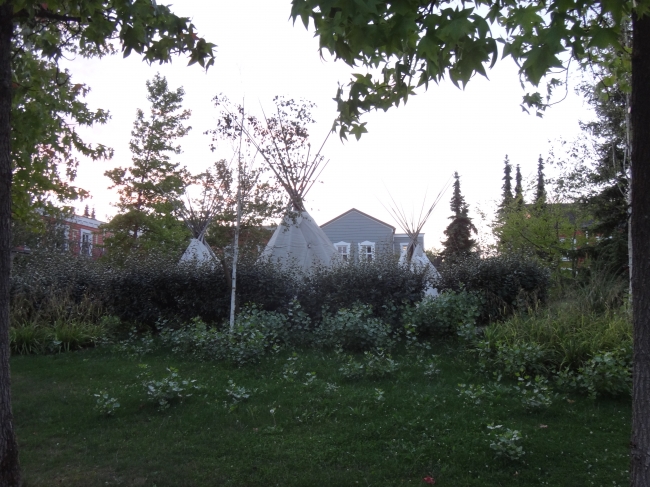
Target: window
86 242
343 248
367 251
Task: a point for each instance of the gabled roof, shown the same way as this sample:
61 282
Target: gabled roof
361 213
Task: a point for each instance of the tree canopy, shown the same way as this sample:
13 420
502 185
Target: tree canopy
34 36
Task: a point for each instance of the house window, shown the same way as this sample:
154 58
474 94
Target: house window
367 251
343 248
86 243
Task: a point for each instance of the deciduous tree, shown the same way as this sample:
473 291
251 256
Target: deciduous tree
145 219
44 32
406 44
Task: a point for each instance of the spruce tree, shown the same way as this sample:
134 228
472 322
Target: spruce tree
540 194
507 198
519 191
459 231
145 219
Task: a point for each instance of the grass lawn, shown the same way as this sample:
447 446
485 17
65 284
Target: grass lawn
319 434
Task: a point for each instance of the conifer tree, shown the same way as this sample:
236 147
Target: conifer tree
507 198
519 191
540 194
459 231
145 219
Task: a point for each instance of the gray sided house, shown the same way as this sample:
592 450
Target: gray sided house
357 235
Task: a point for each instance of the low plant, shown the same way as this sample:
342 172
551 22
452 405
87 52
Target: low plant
444 315
136 344
105 404
511 360
505 443
290 368
607 373
169 389
246 343
375 364
536 394
28 338
432 367
473 393
353 329
570 336
236 394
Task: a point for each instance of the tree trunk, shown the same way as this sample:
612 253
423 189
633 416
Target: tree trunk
235 255
9 467
640 444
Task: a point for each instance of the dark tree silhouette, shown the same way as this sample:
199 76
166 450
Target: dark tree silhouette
459 231
507 197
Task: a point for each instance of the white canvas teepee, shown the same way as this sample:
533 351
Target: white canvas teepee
414 256
300 242
419 261
197 221
198 251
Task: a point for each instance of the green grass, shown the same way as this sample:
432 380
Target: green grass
342 438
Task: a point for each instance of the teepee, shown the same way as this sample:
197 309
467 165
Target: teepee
197 217
414 256
298 242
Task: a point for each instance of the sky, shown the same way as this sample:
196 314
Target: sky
409 152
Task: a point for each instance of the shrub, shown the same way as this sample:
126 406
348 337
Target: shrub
443 315
145 288
353 329
535 394
255 332
383 285
607 373
505 442
505 283
169 389
568 336
512 360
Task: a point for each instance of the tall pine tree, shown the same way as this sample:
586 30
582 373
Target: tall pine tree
459 231
145 219
540 194
519 191
507 198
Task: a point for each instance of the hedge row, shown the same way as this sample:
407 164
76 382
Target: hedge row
146 290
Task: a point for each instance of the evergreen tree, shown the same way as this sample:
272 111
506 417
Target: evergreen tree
519 191
145 219
507 184
540 194
459 231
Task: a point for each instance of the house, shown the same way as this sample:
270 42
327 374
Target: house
357 235
83 236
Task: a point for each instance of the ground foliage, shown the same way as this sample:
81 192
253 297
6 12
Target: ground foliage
304 418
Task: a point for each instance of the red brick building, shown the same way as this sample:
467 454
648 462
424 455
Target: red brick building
84 237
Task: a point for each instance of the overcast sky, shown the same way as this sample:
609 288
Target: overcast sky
407 152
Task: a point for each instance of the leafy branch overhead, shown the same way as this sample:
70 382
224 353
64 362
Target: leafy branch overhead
405 44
